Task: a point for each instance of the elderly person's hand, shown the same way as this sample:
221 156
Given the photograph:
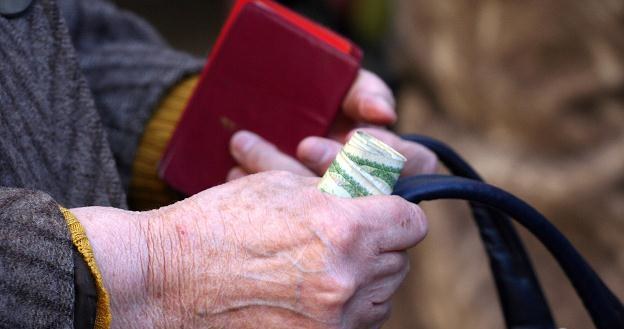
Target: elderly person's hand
264 251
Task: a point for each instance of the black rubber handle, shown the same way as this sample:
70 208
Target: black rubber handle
606 311
521 297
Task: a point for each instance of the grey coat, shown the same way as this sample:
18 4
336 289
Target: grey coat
78 81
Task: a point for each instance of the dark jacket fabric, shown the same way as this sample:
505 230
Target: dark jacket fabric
78 81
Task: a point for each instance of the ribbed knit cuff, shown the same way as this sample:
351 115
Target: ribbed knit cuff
147 190
79 238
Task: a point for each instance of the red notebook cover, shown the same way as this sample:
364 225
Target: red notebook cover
272 72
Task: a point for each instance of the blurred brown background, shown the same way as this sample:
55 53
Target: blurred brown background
531 92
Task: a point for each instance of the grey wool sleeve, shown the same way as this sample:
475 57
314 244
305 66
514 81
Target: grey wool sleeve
36 265
128 67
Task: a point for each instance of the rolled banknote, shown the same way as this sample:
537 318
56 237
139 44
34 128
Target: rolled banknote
365 166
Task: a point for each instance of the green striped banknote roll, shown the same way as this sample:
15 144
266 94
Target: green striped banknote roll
365 166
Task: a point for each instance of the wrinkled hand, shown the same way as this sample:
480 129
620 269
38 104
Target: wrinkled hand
265 251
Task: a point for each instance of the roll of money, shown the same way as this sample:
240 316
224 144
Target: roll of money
365 166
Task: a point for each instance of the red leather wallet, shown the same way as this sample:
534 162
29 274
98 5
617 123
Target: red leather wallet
272 72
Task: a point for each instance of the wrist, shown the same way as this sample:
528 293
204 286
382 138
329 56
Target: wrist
120 249
187 274
197 244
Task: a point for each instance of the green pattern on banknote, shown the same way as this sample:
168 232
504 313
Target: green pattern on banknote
372 164
385 176
352 187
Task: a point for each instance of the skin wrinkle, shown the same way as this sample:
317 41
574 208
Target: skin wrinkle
159 263
238 240
206 302
261 303
199 212
165 260
182 250
288 223
143 259
146 274
194 267
217 244
299 290
253 251
150 277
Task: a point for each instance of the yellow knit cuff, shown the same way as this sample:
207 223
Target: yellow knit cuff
147 190
103 315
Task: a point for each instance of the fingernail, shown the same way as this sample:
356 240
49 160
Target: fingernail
242 142
315 151
383 106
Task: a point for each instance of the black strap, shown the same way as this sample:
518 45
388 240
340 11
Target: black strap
520 294
606 311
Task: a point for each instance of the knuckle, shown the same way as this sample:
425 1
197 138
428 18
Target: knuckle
376 314
285 184
391 262
348 233
421 161
282 178
340 226
384 311
261 178
337 292
282 175
400 261
399 208
429 162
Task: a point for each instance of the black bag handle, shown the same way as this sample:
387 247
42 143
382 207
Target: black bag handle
519 292
606 310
